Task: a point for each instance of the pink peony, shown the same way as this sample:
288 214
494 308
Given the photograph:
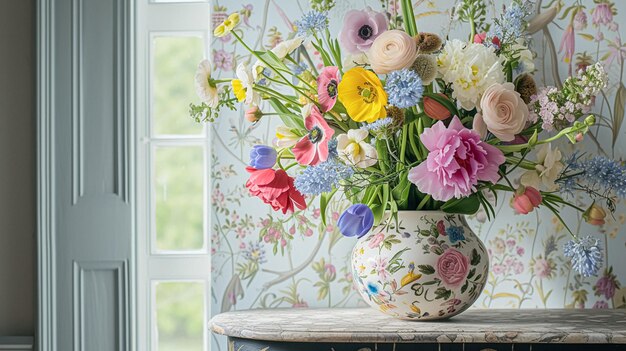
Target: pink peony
360 28
376 240
327 84
312 149
452 267
275 188
457 161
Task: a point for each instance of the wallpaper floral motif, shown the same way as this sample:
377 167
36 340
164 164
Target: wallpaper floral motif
263 259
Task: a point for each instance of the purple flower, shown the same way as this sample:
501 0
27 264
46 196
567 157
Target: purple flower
600 305
606 285
357 220
223 60
602 14
262 157
360 28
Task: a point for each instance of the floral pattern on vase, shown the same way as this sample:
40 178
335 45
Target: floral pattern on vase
425 265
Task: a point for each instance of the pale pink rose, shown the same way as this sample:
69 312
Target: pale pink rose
452 267
542 268
376 240
504 113
498 269
391 51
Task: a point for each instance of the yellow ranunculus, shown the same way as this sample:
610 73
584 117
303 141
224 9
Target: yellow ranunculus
238 89
363 96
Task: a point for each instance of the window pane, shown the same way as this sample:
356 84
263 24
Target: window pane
179 196
180 316
175 60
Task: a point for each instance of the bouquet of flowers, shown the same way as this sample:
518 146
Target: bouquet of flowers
396 119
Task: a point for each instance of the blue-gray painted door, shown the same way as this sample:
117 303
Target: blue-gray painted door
92 171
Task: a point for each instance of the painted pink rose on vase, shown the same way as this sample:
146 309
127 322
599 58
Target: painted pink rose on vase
452 267
376 240
360 28
457 161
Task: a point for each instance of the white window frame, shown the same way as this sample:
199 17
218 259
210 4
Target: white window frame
156 18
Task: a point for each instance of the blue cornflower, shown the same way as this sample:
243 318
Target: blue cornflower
312 21
254 252
404 88
321 178
455 233
586 255
379 125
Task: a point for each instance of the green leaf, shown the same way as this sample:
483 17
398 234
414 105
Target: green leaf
618 110
400 192
464 287
586 36
289 119
466 205
475 257
426 269
324 200
274 62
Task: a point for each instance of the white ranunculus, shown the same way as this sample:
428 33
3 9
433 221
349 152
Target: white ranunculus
547 170
245 76
354 150
470 68
206 91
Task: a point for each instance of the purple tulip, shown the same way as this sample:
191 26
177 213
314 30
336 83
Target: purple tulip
360 28
357 220
262 157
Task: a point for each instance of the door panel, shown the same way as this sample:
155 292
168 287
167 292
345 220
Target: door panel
92 207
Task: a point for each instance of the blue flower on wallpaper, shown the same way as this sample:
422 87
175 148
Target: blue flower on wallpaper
455 233
586 255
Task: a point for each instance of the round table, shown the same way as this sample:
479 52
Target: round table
367 329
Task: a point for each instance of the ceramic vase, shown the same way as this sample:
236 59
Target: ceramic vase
426 265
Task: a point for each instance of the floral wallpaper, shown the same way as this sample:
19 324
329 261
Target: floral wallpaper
263 259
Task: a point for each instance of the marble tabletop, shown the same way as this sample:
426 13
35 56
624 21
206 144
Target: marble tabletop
473 326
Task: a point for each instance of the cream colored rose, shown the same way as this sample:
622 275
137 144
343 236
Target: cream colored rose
391 51
503 112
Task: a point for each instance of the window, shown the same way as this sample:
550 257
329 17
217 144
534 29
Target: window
173 173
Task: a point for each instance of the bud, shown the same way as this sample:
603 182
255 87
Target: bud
590 120
435 110
579 137
426 67
595 215
253 114
526 199
533 139
427 43
526 87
